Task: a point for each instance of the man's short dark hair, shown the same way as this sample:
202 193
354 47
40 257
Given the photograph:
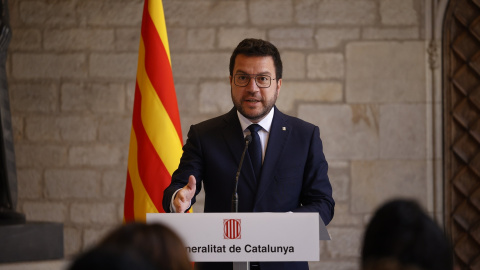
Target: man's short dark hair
257 47
401 231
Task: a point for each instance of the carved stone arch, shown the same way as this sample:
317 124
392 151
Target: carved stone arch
461 100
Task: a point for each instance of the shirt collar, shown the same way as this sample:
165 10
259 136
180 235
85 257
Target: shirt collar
265 123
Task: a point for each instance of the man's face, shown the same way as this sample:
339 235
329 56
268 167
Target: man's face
252 101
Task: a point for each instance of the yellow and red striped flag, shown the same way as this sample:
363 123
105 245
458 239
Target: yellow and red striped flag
156 136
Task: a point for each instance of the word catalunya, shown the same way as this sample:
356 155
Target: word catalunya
237 249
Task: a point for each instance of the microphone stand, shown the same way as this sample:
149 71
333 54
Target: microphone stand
248 139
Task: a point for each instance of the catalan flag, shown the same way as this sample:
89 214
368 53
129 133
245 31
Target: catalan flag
156 136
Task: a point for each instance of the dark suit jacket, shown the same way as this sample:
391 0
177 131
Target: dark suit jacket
293 178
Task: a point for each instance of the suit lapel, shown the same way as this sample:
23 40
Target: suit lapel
232 134
276 143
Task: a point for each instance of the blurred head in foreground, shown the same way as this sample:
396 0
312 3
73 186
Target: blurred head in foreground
401 236
136 246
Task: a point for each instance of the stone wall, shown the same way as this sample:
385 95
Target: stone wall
356 68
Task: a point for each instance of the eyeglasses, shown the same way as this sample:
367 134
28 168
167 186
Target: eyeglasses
262 81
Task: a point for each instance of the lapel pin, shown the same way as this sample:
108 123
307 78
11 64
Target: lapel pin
284 128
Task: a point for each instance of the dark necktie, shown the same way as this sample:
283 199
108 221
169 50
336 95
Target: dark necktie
255 149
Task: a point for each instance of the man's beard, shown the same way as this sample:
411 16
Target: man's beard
261 114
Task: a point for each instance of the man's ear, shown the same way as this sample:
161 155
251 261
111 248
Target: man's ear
279 85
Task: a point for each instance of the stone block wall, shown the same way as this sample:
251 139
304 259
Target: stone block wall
356 68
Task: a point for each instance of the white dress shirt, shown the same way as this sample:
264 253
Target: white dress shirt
264 133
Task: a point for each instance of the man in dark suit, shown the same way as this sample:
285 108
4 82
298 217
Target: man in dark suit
288 172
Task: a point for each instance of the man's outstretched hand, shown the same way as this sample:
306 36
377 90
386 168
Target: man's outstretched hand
184 196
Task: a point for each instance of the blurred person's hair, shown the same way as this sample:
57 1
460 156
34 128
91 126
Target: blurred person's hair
104 258
155 244
401 233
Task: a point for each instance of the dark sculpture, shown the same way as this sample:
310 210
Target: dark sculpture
19 240
8 171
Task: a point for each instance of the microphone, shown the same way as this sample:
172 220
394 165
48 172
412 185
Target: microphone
248 140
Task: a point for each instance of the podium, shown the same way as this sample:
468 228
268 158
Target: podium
247 237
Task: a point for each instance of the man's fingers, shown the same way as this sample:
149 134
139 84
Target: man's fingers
181 202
